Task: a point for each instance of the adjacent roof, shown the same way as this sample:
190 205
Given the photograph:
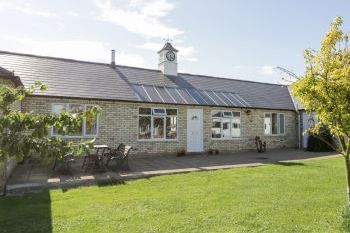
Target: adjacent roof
10 75
81 79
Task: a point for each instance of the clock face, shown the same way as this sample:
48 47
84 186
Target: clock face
170 56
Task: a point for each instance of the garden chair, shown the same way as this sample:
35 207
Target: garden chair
89 157
120 155
67 160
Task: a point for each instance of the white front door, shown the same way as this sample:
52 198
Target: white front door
194 130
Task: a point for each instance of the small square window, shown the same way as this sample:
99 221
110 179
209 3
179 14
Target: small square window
171 112
145 111
236 114
158 111
216 114
227 114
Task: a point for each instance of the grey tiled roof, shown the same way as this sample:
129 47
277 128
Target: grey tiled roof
80 79
168 46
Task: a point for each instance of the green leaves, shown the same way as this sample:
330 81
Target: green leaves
25 133
325 86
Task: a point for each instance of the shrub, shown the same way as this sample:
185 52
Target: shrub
316 145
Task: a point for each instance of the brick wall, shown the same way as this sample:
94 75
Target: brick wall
118 124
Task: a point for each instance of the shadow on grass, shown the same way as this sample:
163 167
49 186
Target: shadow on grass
28 213
289 164
98 183
110 182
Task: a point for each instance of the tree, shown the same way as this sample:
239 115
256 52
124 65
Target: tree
325 89
25 133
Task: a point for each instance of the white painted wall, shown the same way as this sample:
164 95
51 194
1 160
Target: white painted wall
167 67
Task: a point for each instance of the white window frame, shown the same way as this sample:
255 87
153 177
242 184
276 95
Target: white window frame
164 116
83 135
278 124
221 121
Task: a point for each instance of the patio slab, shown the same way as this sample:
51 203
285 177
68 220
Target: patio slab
35 176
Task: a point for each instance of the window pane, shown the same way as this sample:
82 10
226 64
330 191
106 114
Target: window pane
171 112
57 109
75 110
216 128
171 127
281 123
158 111
274 123
158 127
145 111
267 123
227 114
91 122
226 127
144 127
236 114
216 114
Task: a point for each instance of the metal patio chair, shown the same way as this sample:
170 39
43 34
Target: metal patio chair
120 155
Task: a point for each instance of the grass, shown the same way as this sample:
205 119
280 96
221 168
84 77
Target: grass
304 196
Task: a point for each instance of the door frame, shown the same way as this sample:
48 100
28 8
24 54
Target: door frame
201 131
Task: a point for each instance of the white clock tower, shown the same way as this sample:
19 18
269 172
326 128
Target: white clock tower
168 60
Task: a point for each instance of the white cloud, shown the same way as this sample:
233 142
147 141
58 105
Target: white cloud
26 8
123 58
140 17
75 49
267 70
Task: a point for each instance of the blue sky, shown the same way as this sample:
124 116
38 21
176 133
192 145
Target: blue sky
234 39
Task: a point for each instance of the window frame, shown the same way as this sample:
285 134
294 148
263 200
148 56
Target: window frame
164 117
83 131
221 124
278 124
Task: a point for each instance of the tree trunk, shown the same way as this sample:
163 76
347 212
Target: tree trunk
3 173
347 167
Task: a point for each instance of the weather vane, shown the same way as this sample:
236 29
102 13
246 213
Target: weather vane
167 40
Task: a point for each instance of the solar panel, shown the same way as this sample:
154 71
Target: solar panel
149 93
225 99
141 93
153 94
207 98
165 95
234 97
243 100
195 94
177 96
216 99
233 103
188 96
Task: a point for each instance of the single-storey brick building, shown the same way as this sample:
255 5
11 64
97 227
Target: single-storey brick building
158 111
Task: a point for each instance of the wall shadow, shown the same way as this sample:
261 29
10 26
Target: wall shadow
28 213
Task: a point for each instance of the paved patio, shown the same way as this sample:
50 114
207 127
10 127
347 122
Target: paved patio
35 176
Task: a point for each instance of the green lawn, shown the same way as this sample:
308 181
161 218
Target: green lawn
307 196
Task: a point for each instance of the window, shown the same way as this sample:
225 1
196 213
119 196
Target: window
157 123
226 124
87 128
274 123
